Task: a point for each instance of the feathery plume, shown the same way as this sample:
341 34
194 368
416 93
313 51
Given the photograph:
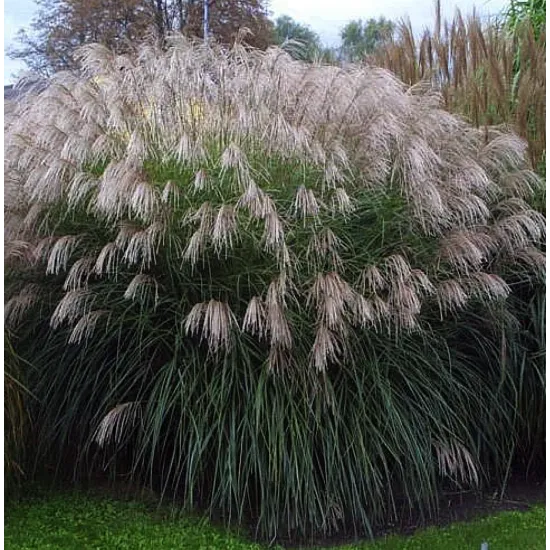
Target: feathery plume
455 461
171 194
487 286
107 259
79 273
117 423
225 226
397 268
326 348
73 305
85 327
144 201
451 296
139 287
372 279
255 317
17 306
60 253
273 232
466 250
214 320
342 202
276 321
305 203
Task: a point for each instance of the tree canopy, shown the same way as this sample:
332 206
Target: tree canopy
360 38
60 26
287 28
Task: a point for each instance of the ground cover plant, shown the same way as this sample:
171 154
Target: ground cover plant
273 290
72 521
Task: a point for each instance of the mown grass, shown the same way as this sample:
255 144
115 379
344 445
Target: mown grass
74 520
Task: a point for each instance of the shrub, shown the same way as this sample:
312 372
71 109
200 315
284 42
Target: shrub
238 275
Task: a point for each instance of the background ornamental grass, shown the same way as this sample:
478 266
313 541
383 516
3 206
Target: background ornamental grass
280 292
491 72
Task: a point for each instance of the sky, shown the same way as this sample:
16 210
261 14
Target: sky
326 17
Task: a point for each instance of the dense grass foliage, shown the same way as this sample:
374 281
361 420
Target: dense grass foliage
16 417
74 521
489 72
250 282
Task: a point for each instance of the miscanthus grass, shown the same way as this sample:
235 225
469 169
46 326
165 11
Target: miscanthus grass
239 276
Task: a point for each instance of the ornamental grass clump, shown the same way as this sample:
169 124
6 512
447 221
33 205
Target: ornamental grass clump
233 272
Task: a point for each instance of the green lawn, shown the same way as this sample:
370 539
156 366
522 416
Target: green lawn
78 522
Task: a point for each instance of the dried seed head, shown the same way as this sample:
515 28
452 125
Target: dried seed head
43 248
326 348
372 280
234 157
456 462
117 423
405 305
466 250
255 200
107 259
342 202
171 194
19 251
421 283
140 287
273 232
397 268
17 306
519 230
276 322
487 286
225 227
184 151
60 254
140 245
334 297
73 305
533 258
79 274
305 203
85 327
324 245
201 181
80 187
144 201
255 317
451 296
215 321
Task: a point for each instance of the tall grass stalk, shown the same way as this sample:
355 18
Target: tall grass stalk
484 71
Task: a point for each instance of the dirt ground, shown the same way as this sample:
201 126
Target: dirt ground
455 506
